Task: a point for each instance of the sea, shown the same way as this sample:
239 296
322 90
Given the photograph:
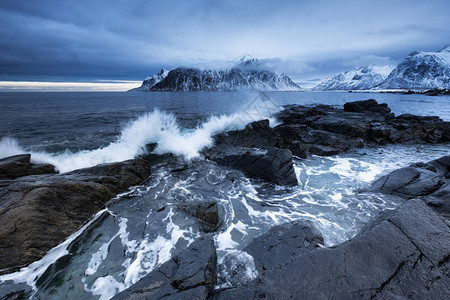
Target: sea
142 228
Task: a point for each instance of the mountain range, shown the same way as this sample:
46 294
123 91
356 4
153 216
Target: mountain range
419 70
361 78
248 74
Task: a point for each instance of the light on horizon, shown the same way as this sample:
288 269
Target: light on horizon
32 86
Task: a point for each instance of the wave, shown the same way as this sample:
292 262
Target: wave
153 127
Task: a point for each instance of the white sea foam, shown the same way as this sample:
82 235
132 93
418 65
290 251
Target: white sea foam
236 267
154 127
102 253
149 254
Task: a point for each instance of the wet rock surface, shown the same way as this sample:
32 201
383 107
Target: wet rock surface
402 254
282 243
254 151
206 213
38 212
190 275
272 165
428 181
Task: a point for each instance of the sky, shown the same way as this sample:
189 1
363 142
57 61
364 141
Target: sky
116 44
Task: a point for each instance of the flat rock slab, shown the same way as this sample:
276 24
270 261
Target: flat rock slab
402 254
190 275
282 243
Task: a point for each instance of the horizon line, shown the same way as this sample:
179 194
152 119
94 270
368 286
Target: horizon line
69 86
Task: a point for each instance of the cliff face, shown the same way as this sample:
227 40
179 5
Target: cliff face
151 81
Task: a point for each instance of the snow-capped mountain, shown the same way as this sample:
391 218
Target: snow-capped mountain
362 78
151 81
421 70
246 75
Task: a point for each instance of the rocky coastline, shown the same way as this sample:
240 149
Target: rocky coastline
37 212
401 253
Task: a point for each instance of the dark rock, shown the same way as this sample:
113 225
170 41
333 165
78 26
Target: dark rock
370 105
442 164
396 180
14 291
322 150
273 165
352 125
429 181
190 275
330 139
298 149
282 243
19 165
206 212
360 123
440 201
437 92
290 131
38 212
37 169
298 114
402 254
255 135
14 166
323 130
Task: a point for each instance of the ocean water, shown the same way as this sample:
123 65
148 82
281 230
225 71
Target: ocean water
142 228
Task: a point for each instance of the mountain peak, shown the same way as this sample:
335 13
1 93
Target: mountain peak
248 75
360 78
446 48
163 71
421 70
248 62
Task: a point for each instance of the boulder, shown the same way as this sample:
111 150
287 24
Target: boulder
255 135
352 125
206 213
282 243
190 275
272 165
19 165
322 150
38 212
402 254
370 105
330 139
297 114
360 123
428 181
14 166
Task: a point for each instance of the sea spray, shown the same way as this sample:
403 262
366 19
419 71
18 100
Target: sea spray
9 147
153 127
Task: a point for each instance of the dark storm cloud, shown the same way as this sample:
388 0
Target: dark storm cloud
89 40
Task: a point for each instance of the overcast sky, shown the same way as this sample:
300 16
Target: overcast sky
92 40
